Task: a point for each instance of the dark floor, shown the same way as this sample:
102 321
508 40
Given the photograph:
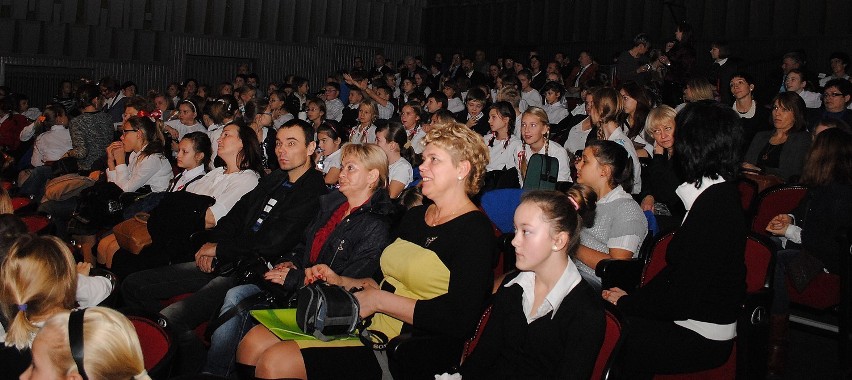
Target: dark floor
813 353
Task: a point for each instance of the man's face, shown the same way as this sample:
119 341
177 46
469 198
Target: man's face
410 64
714 53
290 148
466 65
584 59
480 55
379 60
239 82
358 63
106 92
252 81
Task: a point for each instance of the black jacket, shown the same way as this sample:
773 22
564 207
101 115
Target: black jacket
704 277
823 215
281 231
354 247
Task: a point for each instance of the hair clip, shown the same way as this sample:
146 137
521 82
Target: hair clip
22 307
574 203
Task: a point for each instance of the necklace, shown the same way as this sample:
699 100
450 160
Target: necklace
436 218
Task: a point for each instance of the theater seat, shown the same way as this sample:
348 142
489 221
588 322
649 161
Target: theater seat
158 348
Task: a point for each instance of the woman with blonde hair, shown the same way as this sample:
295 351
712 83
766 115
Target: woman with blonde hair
437 274
535 135
658 195
96 343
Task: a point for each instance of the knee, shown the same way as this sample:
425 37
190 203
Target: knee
254 344
282 360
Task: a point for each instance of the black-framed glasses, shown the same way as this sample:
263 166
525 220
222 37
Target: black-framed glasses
833 94
128 130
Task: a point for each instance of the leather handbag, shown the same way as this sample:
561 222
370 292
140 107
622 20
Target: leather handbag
132 234
327 311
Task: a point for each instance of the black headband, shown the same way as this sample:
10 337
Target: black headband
75 339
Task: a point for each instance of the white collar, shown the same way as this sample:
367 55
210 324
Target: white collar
57 127
526 279
192 173
6 116
751 111
614 194
721 61
688 193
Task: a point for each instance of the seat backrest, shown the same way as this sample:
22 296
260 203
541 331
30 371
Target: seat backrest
36 223
775 200
500 207
613 338
759 261
657 260
157 346
748 192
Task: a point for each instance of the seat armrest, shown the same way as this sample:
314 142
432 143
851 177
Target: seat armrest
624 274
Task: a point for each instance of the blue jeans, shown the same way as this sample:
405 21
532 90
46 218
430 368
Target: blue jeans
221 356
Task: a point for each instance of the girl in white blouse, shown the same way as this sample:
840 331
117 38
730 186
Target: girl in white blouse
146 165
186 121
502 144
329 140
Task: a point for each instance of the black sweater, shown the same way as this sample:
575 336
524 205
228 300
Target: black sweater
560 346
704 277
823 215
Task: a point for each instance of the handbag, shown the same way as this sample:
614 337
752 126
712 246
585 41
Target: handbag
132 234
802 269
327 311
542 173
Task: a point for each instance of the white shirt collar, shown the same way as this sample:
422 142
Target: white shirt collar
688 193
616 193
569 279
751 111
721 61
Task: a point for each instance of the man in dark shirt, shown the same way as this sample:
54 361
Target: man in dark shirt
633 64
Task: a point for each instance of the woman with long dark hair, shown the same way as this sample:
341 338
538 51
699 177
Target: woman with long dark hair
811 230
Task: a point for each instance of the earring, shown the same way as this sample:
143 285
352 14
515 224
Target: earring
460 178
555 248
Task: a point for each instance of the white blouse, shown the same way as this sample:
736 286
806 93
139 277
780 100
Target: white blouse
154 170
226 189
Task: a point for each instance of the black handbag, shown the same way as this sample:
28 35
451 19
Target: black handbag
327 311
501 179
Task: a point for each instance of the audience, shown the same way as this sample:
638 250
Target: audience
450 243
271 172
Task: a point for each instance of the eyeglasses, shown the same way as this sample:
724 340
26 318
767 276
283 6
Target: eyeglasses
833 94
128 130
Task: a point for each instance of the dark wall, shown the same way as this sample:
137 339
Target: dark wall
154 42
760 31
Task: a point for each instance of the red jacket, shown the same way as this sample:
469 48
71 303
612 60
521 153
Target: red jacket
10 131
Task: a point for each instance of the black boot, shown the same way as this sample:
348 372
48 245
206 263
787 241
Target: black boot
778 337
245 371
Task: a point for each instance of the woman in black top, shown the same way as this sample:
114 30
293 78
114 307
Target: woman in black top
659 179
812 229
685 318
781 152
